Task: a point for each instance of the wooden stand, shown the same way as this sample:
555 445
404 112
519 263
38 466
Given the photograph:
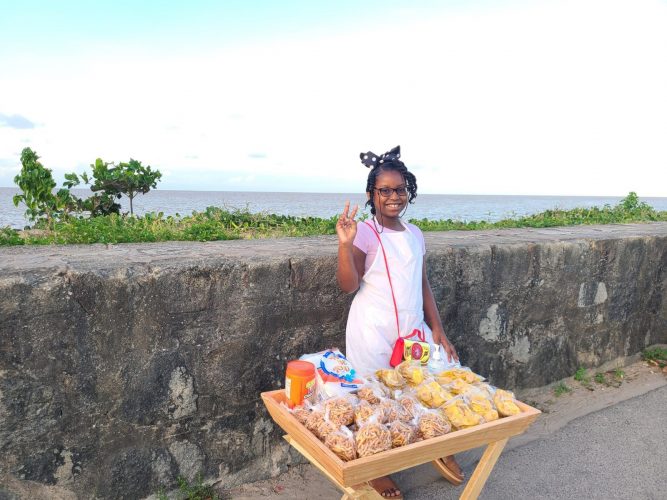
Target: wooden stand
352 477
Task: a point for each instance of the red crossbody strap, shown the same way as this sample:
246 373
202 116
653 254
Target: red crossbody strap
384 254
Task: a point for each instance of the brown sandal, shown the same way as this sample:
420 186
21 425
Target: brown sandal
447 467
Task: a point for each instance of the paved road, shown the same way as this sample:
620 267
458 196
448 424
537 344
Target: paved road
619 452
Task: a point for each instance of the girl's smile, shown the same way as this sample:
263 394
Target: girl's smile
386 196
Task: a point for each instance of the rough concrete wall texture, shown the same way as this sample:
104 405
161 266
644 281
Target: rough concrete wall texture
124 366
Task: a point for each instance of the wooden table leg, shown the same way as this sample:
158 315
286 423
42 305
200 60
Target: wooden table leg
483 469
358 492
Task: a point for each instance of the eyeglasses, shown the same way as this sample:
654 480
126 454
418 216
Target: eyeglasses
386 192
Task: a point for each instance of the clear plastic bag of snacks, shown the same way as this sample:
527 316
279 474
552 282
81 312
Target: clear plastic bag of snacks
301 413
481 403
458 386
318 424
365 411
413 408
393 411
432 423
391 378
431 394
460 415
412 371
372 391
340 410
402 433
371 438
505 403
342 443
462 373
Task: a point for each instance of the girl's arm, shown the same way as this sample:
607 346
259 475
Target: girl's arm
350 267
350 258
432 318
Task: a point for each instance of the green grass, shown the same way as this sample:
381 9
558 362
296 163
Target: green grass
619 374
222 224
656 355
581 376
561 388
196 491
600 378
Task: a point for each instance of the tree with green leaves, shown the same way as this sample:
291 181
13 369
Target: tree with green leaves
128 178
37 185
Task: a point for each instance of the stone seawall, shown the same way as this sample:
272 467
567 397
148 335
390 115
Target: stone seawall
124 366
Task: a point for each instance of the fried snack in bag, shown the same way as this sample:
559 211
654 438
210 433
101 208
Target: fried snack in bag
364 411
402 433
460 415
458 386
411 406
433 424
301 413
505 404
393 411
412 372
320 426
340 411
462 373
371 392
391 378
431 394
371 438
481 403
341 442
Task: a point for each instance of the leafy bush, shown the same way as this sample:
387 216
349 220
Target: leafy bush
216 223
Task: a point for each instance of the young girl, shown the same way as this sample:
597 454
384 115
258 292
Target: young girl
365 252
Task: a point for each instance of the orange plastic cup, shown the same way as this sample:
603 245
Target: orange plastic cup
299 382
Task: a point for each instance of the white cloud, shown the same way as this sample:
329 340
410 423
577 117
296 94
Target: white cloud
548 98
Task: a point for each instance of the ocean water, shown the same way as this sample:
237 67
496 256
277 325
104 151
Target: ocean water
431 206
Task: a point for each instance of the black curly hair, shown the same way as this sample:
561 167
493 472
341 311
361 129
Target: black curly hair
396 166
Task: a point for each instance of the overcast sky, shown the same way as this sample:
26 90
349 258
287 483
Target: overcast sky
484 97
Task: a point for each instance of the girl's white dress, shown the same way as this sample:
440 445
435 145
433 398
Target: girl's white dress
371 325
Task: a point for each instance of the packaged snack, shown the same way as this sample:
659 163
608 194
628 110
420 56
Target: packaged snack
505 403
431 394
402 433
458 386
459 414
371 392
341 442
372 438
364 411
411 406
433 424
339 410
334 374
480 402
393 411
301 413
319 425
462 373
412 372
391 378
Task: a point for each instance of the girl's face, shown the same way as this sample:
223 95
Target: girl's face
391 205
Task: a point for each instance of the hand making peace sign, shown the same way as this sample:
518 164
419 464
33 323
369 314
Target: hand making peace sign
346 227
